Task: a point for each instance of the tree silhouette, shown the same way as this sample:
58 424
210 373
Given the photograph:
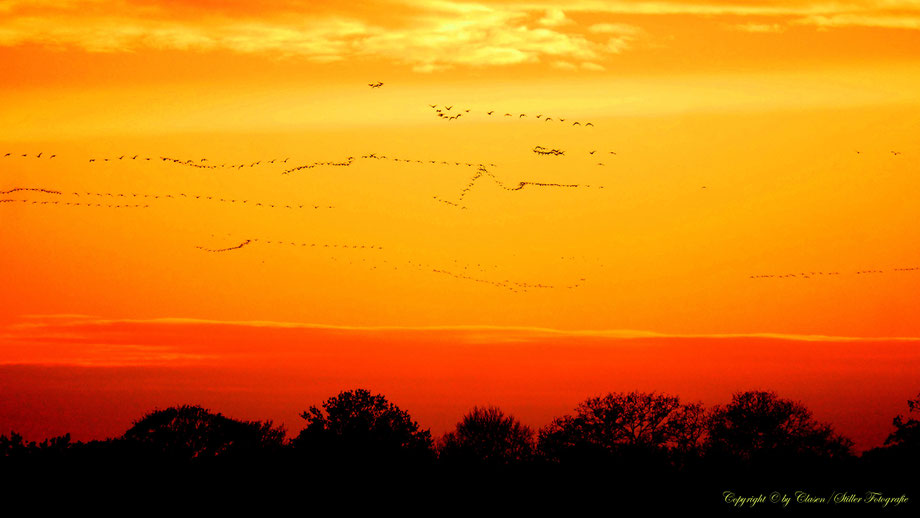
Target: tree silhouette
487 436
906 435
15 446
359 427
192 432
760 427
625 427
896 461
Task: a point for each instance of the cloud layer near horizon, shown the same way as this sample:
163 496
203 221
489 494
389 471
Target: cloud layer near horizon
103 372
94 341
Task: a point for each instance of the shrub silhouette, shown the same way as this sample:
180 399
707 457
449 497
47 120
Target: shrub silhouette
487 436
192 432
15 446
635 427
760 427
359 427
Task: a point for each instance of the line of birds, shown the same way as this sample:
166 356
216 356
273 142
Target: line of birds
444 112
514 286
291 243
809 275
450 203
540 150
350 160
25 155
411 160
180 195
237 247
35 189
482 171
375 85
346 163
78 204
895 153
198 164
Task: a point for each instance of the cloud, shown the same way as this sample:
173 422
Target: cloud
441 36
425 35
615 28
554 18
760 27
859 20
53 321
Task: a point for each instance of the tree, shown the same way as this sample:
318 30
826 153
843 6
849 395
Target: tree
192 432
896 461
621 425
356 426
487 436
761 427
906 435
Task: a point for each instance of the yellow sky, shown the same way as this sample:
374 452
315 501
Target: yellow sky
736 128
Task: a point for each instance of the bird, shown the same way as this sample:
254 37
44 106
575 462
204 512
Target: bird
488 113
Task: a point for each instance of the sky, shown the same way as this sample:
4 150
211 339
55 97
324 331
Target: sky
734 209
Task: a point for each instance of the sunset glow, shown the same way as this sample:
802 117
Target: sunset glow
207 201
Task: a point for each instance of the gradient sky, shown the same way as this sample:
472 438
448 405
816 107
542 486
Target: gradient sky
752 141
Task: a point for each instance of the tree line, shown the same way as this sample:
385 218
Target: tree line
625 439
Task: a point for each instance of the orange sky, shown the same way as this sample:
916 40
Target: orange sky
751 139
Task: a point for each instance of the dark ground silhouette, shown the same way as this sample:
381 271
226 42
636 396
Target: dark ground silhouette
626 451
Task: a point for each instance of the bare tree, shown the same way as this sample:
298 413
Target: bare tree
488 436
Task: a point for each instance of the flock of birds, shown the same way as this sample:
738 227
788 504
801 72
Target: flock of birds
177 196
292 243
810 275
80 204
445 112
540 150
198 164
